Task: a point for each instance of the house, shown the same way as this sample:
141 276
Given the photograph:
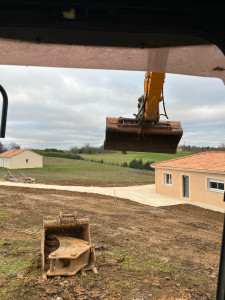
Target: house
199 177
20 159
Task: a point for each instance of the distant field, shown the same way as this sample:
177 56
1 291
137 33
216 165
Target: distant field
120 158
69 171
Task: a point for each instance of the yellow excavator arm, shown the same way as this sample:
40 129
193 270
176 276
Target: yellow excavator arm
153 85
145 133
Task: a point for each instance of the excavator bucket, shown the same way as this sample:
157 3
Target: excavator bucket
66 246
130 135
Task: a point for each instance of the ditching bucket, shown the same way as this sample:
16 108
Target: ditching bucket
131 135
66 246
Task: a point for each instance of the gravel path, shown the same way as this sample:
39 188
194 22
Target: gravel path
144 194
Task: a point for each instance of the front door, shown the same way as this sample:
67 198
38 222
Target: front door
185 186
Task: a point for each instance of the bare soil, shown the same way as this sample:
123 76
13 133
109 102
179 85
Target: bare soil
142 252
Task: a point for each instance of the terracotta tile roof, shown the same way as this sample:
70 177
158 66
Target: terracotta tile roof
12 152
205 161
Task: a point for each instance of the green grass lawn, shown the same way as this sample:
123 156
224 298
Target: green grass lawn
120 158
75 171
70 171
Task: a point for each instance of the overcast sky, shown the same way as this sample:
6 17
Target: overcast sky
60 108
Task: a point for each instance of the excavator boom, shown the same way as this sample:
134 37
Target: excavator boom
153 84
145 133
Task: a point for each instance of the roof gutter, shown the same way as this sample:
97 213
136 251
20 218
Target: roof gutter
189 170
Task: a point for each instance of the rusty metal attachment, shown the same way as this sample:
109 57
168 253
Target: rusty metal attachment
66 246
142 136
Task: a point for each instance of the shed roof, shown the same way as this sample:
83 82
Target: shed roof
13 152
213 161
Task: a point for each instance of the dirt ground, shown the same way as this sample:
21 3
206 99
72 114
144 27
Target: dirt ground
142 252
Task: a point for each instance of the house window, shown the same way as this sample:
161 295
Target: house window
27 160
168 179
216 185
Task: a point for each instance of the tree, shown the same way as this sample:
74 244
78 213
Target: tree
222 147
14 146
53 150
133 164
2 148
74 150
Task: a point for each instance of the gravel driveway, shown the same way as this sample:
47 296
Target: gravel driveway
144 194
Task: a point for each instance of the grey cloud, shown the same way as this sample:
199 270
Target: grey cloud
50 107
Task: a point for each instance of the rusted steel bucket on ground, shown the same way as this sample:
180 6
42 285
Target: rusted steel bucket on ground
132 135
66 246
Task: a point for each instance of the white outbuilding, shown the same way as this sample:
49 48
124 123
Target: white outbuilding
20 159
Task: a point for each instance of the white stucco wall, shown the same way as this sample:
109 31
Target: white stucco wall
198 185
5 162
26 159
